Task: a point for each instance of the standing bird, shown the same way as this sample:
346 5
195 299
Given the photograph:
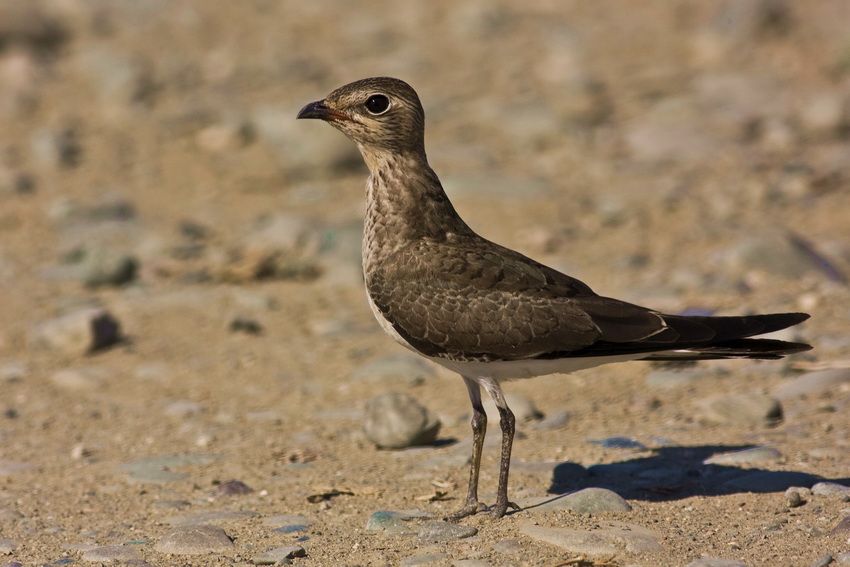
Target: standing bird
485 311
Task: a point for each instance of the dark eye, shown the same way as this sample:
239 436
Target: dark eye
377 104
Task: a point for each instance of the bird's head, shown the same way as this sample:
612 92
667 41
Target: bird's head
380 114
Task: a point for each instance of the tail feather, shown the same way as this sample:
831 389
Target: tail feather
759 349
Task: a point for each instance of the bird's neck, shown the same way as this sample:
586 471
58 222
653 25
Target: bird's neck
405 202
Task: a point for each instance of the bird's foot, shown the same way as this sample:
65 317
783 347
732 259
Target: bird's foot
499 509
471 508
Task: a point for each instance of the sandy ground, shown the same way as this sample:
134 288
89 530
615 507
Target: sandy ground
682 155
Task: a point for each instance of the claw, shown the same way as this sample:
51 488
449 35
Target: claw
498 510
469 509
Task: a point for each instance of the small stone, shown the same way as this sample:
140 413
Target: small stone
106 267
112 554
552 421
392 522
245 325
712 562
794 497
741 409
7 546
842 558
80 332
745 456
824 114
406 369
813 383
424 559
619 443
586 501
822 561
395 421
603 542
279 555
435 532
832 490
80 451
233 488
523 409
157 470
843 526
282 520
195 540
77 379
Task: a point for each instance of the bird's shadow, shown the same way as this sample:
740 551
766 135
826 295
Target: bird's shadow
673 473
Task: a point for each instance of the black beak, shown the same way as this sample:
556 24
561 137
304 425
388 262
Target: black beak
316 109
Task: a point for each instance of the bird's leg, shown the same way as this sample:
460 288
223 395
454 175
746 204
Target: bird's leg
479 430
507 422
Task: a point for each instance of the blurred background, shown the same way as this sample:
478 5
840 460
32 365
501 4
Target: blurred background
179 257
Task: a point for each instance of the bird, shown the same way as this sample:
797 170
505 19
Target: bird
485 311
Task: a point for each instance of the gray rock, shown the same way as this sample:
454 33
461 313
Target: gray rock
822 561
404 369
745 456
523 409
842 558
279 555
424 559
832 490
395 421
195 540
842 527
7 546
603 542
435 532
713 562
585 501
741 409
77 333
794 496
112 554
394 522
813 383
103 266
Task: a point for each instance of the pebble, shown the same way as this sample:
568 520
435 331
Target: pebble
233 488
285 520
843 526
712 562
741 409
395 421
586 501
813 383
183 409
552 421
78 379
279 555
842 558
7 546
101 267
523 409
78 333
832 490
245 325
392 522
424 559
619 443
195 540
435 532
823 115
794 496
822 561
404 369
112 554
745 456
601 542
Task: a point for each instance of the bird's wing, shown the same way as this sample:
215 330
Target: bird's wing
491 303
